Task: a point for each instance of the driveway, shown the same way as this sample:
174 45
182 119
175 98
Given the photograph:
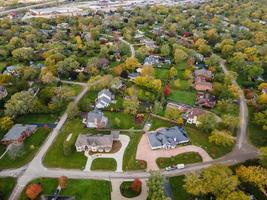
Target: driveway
116 194
118 156
144 152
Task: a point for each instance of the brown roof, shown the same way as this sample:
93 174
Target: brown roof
203 86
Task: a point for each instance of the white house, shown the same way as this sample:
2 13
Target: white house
104 99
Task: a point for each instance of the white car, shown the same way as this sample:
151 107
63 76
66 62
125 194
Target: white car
178 166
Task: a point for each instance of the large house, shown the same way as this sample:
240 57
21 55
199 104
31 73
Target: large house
96 143
18 133
166 138
205 100
104 99
204 73
203 86
96 119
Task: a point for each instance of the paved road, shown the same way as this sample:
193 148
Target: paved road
242 151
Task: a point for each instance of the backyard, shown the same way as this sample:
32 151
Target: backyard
182 96
81 189
25 155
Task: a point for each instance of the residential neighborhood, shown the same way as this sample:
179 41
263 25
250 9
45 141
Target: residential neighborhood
147 100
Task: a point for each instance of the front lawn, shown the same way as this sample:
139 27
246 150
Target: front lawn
181 96
37 118
30 147
108 164
6 186
79 188
185 158
55 156
200 139
126 190
129 157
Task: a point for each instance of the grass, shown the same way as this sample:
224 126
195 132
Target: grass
185 158
108 164
257 135
180 96
55 156
81 189
126 120
127 191
76 88
159 123
87 100
200 139
129 161
30 147
37 118
6 186
161 73
178 191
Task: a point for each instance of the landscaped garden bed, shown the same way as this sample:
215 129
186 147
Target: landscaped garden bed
106 164
130 189
185 158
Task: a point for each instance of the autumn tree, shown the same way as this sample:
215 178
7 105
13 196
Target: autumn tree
223 138
147 70
217 180
23 54
172 72
131 63
172 113
131 105
230 121
6 123
136 185
167 91
33 190
148 82
155 185
262 98
255 175
63 182
180 55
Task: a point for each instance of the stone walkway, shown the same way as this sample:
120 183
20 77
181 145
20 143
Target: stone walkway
144 152
118 156
116 194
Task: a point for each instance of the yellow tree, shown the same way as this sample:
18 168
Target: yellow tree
131 63
260 37
147 70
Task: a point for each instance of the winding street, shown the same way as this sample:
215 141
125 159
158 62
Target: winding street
243 151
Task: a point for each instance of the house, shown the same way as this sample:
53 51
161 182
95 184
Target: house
150 44
96 143
104 99
167 137
132 76
96 119
203 73
203 86
205 100
117 84
139 35
191 116
18 133
3 92
152 60
11 70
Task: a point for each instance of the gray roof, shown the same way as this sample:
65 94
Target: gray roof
15 132
203 72
105 92
168 136
94 140
95 114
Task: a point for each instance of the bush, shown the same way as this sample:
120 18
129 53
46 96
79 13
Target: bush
127 191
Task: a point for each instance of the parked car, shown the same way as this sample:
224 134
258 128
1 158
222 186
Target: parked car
173 167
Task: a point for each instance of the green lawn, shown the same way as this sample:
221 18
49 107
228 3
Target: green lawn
161 73
87 100
108 164
185 158
257 135
55 156
127 191
178 191
200 139
6 186
30 147
37 118
81 189
180 96
126 120
129 161
76 88
158 123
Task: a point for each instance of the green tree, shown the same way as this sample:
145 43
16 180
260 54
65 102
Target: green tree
172 113
180 55
207 122
155 185
260 118
263 156
165 50
23 54
172 72
72 110
130 105
230 121
223 138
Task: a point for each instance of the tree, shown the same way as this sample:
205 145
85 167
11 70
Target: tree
6 123
167 91
217 180
172 72
148 82
48 77
207 122
180 55
20 103
136 185
63 182
205 49
236 195
23 54
147 70
5 78
131 63
230 121
260 118
131 105
227 50
260 37
262 99
72 110
255 175
242 44
172 113
155 185
223 138
262 86
263 156
33 190
117 70
165 50
66 66
177 83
